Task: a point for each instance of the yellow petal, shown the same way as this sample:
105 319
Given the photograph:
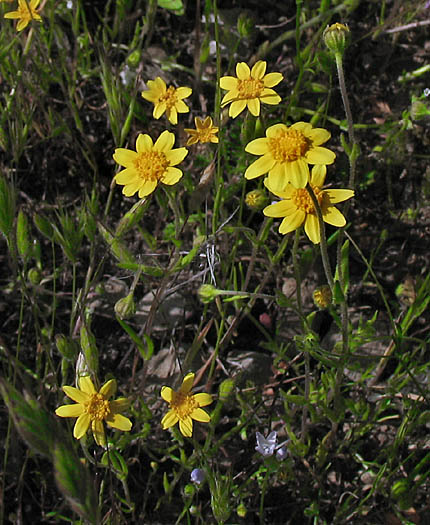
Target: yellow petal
98 433
165 142
282 208
70 410
304 127
257 146
318 136
171 176
187 383
292 222
273 131
144 143
319 155
119 405
298 173
86 385
108 389
186 426
75 394
203 399
259 167
334 217
229 97
147 188
338 195
270 97
125 157
228 83
181 107
318 175
200 415
12 15
272 79
159 109
242 71
172 115
312 228
81 425
176 156
258 69
183 92
131 188
170 419
278 179
167 393
254 106
127 176
236 108
284 193
119 421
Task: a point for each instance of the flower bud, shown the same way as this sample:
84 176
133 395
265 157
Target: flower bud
256 199
244 25
207 293
34 276
225 389
335 38
198 476
419 110
125 307
323 297
66 346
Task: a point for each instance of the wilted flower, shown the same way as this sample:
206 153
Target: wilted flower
256 199
198 476
92 408
184 406
297 206
287 152
251 87
149 164
205 132
167 99
266 446
322 296
26 12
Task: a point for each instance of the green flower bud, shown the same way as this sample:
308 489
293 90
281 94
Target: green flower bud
34 275
89 348
241 510
207 293
225 389
419 110
22 235
133 58
256 199
335 38
67 347
245 25
125 307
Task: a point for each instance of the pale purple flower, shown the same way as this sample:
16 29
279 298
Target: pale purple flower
266 446
281 453
198 476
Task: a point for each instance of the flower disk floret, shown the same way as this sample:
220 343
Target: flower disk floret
92 407
249 88
149 164
167 100
286 152
297 206
185 406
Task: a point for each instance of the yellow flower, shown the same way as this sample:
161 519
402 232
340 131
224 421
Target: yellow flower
184 406
92 408
287 152
26 12
205 132
250 88
167 99
297 206
149 164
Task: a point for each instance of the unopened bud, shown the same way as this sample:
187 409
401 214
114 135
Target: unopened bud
34 276
67 347
256 199
244 25
419 110
125 307
208 293
336 38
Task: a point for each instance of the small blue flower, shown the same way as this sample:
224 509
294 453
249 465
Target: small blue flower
198 476
266 446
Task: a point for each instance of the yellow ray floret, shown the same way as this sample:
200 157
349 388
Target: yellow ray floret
185 406
297 207
149 164
249 88
93 407
286 152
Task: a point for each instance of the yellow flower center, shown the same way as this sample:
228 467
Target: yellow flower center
303 201
97 407
250 88
169 97
183 404
288 146
151 165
